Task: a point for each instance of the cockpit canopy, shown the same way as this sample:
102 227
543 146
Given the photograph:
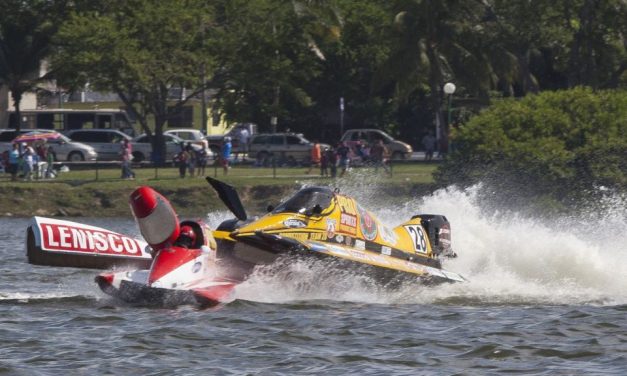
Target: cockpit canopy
306 201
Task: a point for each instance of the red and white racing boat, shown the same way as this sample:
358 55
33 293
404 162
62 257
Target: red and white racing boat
175 263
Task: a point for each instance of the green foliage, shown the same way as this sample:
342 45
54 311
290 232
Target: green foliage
564 145
140 50
26 29
269 52
294 59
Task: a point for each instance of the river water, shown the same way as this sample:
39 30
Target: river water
541 298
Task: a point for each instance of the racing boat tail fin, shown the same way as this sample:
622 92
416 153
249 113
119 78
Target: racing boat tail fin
229 196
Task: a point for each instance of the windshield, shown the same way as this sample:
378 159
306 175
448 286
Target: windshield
304 201
64 138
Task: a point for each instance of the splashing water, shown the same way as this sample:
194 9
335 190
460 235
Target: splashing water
507 258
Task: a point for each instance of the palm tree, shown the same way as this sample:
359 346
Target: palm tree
440 41
26 29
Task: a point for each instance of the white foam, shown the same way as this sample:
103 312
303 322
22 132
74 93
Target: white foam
507 258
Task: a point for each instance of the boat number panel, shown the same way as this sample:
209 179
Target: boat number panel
418 237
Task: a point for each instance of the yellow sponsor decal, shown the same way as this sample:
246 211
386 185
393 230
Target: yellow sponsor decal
305 235
296 235
318 236
347 205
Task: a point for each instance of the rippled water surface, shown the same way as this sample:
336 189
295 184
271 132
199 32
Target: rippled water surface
541 299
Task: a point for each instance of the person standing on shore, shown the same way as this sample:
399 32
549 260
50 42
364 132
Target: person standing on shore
28 156
331 161
343 152
428 142
50 160
379 153
181 161
126 150
14 161
191 159
315 156
226 154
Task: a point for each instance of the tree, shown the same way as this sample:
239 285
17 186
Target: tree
438 41
151 54
269 50
560 146
26 30
349 68
597 51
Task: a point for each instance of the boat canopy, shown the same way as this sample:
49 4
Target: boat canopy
304 201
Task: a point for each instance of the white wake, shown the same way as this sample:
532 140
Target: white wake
507 258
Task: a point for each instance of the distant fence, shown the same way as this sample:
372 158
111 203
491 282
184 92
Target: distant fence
270 167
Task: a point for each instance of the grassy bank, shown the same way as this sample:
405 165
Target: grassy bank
104 194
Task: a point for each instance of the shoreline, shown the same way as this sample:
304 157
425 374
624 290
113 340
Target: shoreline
109 201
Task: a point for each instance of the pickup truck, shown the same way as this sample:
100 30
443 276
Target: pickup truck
367 136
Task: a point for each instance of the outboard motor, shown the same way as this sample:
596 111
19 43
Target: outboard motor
439 231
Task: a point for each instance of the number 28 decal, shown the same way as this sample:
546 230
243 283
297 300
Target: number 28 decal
418 237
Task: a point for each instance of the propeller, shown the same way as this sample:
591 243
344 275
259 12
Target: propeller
229 196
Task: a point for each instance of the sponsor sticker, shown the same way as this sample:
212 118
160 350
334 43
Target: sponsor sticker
296 235
386 250
331 227
318 236
360 244
347 205
367 224
348 224
294 223
357 254
65 237
339 238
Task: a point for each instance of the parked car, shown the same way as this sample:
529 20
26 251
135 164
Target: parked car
189 135
397 149
287 148
105 141
142 148
64 148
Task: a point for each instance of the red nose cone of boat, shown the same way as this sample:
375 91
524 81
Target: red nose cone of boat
143 201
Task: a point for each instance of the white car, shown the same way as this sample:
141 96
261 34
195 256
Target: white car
189 135
63 148
105 141
142 148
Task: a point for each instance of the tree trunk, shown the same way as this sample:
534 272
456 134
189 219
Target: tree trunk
529 85
16 95
161 116
158 142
